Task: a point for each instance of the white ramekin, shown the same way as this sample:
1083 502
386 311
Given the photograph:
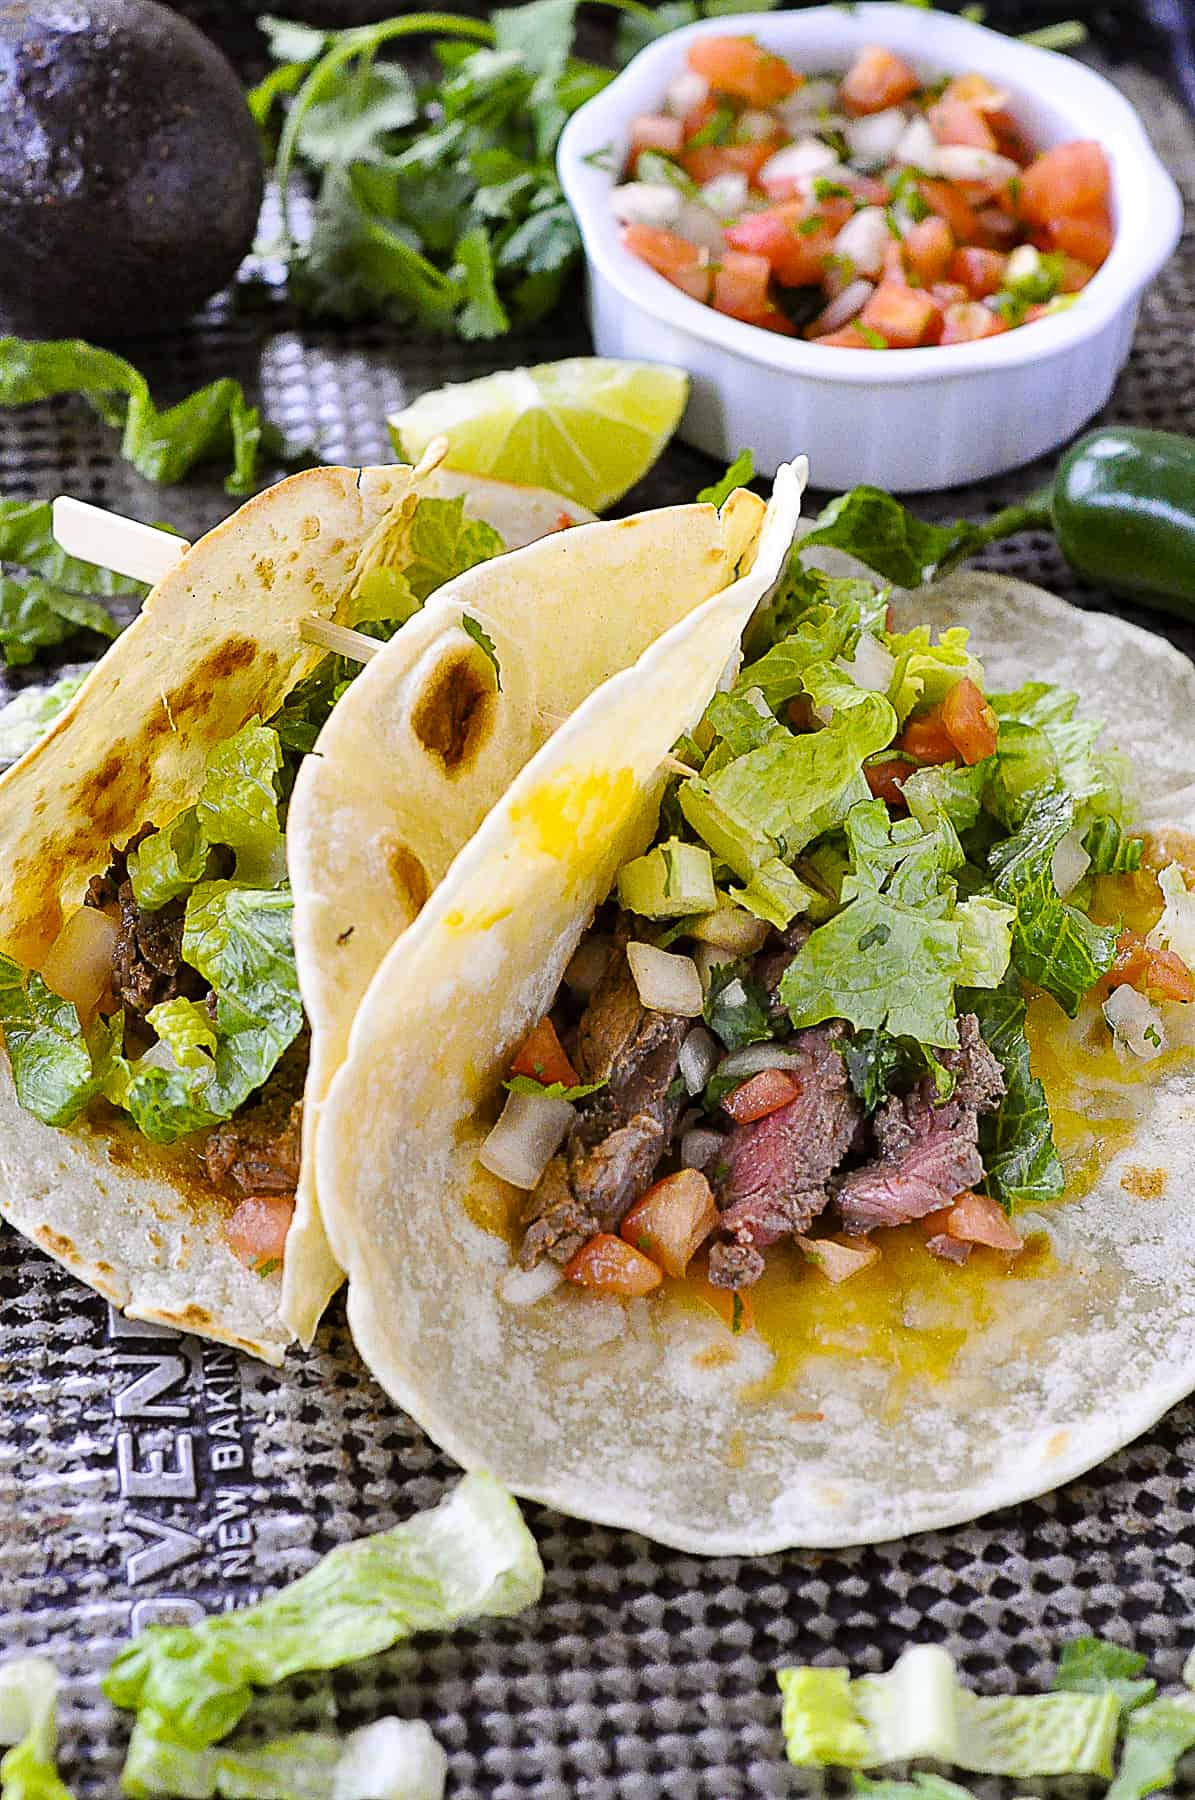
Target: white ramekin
903 419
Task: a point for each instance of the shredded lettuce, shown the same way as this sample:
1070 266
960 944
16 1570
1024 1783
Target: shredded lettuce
946 791
470 1557
28 1722
214 423
923 1786
1111 851
926 670
56 1068
1079 768
813 618
869 524
27 717
1054 945
740 472
1092 1665
1158 1735
392 1759
920 1709
46 595
1016 1141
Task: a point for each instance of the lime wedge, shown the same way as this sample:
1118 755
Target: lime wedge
588 427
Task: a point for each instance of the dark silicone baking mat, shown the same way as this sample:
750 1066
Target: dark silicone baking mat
144 1476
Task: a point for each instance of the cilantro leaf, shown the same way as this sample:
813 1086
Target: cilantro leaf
740 472
1054 945
1016 1141
875 1063
483 314
472 628
736 1007
551 1090
1091 1665
216 423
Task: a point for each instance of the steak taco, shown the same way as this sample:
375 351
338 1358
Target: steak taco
775 1129
178 865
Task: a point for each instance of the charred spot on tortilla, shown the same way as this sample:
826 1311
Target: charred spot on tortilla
454 713
411 881
263 568
342 937
1144 1184
219 665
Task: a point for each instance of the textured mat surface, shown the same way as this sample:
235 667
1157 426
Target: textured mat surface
144 1476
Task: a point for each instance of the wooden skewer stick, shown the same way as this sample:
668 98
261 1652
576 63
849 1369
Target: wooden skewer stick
339 638
113 542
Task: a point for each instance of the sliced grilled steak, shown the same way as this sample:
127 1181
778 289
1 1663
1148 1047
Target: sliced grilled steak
621 1133
147 957
928 1153
947 1248
778 1168
258 1150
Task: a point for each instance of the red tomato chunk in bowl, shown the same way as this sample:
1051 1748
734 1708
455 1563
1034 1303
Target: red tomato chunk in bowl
867 210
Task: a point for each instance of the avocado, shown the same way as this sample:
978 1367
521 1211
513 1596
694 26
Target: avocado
130 168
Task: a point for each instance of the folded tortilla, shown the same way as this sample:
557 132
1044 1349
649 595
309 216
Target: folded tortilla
427 739
651 1414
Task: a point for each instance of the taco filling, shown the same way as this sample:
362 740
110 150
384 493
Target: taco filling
169 1000
801 1013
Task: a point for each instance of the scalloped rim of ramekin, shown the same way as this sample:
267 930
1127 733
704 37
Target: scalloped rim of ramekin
1148 205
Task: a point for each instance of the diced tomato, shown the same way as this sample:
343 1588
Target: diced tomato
542 1057
1087 235
869 190
951 204
733 1307
1038 310
1169 977
876 79
612 1266
769 318
929 247
705 162
795 238
764 1093
1070 178
953 121
1132 960
886 779
981 272
978 1219
895 268
927 739
741 284
656 131
849 338
1075 275
977 91
672 1220
837 1260
257 1231
684 264
996 229
903 316
969 322
970 721
949 293
740 67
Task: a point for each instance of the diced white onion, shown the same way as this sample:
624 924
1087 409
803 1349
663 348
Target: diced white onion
917 147
843 308
523 1287
698 1058
701 226
646 203
667 983
812 97
729 928
79 963
872 140
526 1138
588 965
706 958
1022 265
803 161
688 91
753 1058
699 1147
1175 930
754 698
755 127
1070 863
967 162
824 714
871 667
1136 1022
863 240
734 993
726 195
392 1759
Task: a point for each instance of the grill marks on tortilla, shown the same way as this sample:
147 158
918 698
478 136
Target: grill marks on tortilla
454 714
411 881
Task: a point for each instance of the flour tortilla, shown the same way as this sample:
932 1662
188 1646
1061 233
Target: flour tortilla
644 1415
426 741
217 642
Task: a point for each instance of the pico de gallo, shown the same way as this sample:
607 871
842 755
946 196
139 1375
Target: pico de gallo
868 211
